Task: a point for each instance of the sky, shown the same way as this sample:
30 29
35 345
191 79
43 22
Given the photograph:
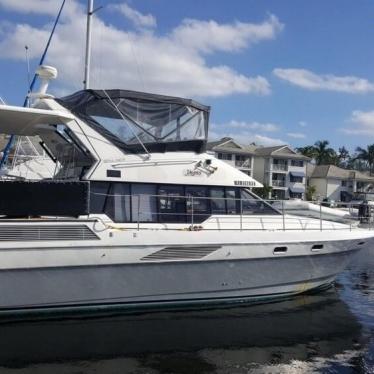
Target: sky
273 72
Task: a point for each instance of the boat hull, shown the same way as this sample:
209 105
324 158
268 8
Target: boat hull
169 283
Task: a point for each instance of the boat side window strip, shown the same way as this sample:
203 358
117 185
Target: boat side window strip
168 203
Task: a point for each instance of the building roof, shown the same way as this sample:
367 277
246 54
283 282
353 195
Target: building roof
230 145
332 171
282 151
268 151
211 145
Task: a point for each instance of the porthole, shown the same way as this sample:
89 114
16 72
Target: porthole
317 247
279 250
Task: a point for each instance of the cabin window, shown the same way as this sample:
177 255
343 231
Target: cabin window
117 205
145 202
171 204
251 205
231 202
98 196
197 202
217 203
144 205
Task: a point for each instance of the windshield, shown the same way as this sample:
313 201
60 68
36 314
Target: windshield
149 119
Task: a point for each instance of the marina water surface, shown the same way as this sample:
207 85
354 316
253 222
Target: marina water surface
327 332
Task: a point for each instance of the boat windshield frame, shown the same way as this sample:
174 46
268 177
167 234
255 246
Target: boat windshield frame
129 118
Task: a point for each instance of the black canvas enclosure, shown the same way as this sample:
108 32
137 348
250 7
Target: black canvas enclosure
56 198
128 118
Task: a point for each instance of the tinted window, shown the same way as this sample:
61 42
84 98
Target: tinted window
252 205
172 208
197 203
217 204
231 202
144 205
98 195
117 205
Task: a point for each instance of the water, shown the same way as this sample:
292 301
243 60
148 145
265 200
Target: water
330 332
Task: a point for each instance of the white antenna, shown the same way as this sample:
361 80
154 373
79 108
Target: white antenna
88 45
28 72
87 63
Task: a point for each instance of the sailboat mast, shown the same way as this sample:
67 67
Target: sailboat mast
88 45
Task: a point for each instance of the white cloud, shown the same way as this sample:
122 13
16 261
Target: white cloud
31 6
296 135
266 141
210 36
169 64
137 18
328 82
302 124
267 127
363 122
245 133
46 7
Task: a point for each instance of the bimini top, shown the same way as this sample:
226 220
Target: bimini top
130 118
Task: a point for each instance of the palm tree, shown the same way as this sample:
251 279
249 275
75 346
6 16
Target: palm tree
324 154
308 151
343 156
310 192
366 155
264 192
356 164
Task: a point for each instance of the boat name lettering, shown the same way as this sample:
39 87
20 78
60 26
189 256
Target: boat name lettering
192 172
245 183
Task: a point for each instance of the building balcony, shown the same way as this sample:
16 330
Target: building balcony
279 167
278 183
243 164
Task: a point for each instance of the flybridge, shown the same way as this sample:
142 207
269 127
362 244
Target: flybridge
140 122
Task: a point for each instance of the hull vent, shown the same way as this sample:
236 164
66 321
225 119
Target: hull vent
21 233
181 253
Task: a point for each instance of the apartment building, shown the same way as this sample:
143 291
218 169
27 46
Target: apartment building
279 167
339 184
283 169
235 154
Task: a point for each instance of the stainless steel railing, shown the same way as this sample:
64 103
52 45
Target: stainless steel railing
222 213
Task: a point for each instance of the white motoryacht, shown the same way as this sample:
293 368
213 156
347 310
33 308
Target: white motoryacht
137 214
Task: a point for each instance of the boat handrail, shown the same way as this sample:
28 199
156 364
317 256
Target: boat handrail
243 218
